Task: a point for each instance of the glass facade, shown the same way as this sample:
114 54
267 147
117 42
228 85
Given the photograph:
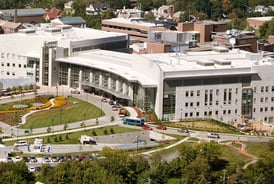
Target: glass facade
247 102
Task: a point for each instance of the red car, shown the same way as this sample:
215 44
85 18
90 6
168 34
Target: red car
161 127
145 127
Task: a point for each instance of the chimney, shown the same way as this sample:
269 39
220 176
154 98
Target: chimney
15 15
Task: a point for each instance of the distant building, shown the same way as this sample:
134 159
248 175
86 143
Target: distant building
96 8
29 15
73 21
68 9
256 22
203 29
244 40
9 27
52 14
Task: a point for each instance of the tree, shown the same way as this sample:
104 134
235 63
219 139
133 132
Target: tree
267 29
144 5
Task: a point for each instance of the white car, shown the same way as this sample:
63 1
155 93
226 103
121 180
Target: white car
21 143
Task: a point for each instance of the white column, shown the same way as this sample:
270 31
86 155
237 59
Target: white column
109 83
69 77
117 85
100 80
90 77
80 79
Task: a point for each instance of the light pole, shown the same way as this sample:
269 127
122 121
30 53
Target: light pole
137 143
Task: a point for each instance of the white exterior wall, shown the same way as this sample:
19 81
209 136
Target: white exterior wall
194 103
263 94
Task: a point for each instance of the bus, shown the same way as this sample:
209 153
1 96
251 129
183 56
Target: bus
134 121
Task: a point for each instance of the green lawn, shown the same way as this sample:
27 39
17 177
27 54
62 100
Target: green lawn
256 148
75 110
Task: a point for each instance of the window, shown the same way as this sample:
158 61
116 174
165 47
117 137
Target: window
261 109
19 65
186 104
191 93
266 99
13 64
186 115
255 89
216 112
272 89
217 91
224 112
191 114
13 73
254 100
217 102
272 108
186 93
8 73
198 104
198 92
25 66
8 64
254 110
265 109
197 114
265 119
266 89
272 99
262 99
191 104
236 91
229 111
262 89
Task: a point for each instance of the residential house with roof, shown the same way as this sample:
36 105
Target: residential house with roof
28 15
52 14
73 21
96 8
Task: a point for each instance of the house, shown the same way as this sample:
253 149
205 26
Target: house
52 14
96 8
68 9
261 9
73 21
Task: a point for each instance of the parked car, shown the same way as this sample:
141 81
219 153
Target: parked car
75 91
61 158
111 102
18 158
161 127
146 127
46 159
54 158
104 100
21 143
32 159
9 159
213 135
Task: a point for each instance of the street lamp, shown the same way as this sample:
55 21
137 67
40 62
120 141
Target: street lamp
137 139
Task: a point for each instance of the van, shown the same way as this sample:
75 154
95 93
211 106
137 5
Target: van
213 135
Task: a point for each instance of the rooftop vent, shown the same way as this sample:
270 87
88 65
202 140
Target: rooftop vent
220 49
222 62
205 63
26 31
53 30
64 27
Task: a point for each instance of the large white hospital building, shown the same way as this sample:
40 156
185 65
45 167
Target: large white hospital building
221 84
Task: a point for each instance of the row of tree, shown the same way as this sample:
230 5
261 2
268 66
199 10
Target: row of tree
199 163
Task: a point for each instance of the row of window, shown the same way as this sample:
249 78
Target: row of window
191 104
265 109
264 89
266 99
11 56
13 65
217 92
209 113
